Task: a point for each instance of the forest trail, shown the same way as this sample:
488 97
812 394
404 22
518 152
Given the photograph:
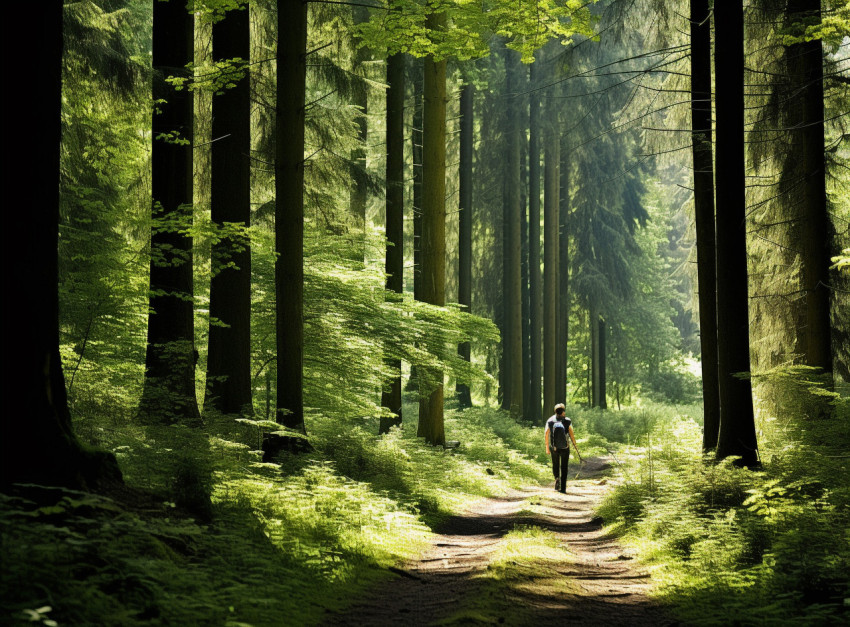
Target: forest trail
456 583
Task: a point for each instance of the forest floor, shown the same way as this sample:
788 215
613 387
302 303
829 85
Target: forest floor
531 557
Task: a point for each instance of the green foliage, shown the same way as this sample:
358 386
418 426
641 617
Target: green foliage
401 26
733 545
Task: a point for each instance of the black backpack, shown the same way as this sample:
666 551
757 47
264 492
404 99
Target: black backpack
560 440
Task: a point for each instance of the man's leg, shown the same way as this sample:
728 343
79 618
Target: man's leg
565 462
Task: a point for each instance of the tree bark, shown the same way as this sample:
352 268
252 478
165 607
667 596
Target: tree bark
289 210
602 394
391 397
465 224
434 219
592 324
737 434
563 305
704 215
805 66
416 155
551 258
534 278
513 240
169 388
229 358
37 442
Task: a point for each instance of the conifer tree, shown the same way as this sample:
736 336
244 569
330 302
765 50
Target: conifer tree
534 279
289 210
551 206
229 351
169 388
737 435
465 222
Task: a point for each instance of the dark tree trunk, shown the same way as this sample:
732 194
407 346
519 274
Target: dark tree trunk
594 356
289 210
704 215
563 280
535 287
434 220
169 388
391 397
37 442
527 409
358 194
551 258
805 68
229 357
602 356
512 339
737 433
465 224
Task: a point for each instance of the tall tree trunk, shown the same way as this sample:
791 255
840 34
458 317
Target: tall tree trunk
551 258
37 442
737 433
525 300
704 215
465 224
434 220
535 291
416 154
169 388
563 304
602 394
391 397
229 356
513 261
592 324
805 67
358 193
289 210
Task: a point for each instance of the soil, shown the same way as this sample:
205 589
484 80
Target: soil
452 584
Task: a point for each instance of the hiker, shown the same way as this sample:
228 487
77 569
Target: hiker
558 429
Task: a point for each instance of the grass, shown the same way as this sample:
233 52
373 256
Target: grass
732 546
206 533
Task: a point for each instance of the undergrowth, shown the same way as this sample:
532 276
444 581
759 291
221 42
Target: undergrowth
734 546
207 533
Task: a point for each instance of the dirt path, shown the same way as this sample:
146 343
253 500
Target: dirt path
457 582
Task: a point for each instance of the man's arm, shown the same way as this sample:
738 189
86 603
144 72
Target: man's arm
546 440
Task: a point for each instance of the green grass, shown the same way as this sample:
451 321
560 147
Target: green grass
732 546
209 534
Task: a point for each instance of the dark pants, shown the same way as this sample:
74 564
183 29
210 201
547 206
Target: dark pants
560 461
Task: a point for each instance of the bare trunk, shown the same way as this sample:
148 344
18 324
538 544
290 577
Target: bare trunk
229 356
289 210
391 397
465 224
737 434
535 287
563 280
551 258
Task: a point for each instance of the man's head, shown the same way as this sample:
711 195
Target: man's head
560 410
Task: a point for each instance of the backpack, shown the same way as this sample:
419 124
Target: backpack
559 436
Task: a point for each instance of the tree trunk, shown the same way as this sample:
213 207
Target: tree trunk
535 291
391 397
594 356
527 409
805 66
563 280
551 205
434 219
358 193
465 224
704 215
416 155
602 395
37 442
737 434
289 210
169 388
513 240
229 357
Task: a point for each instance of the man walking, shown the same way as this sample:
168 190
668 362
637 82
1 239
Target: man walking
558 428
